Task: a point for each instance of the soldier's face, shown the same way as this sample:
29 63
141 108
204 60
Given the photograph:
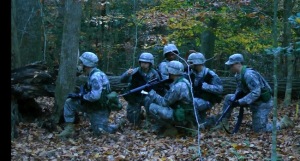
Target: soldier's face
145 65
234 68
196 67
170 56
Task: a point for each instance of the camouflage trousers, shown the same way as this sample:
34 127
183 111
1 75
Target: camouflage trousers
134 110
202 106
259 112
165 116
98 118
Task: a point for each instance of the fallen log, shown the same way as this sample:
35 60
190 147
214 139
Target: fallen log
35 80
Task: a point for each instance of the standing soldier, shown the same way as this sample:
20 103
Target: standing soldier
170 52
207 87
175 107
90 99
137 77
253 91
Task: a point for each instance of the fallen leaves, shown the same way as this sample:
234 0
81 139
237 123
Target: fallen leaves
35 143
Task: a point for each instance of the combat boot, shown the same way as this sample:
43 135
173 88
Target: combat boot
112 128
68 131
286 122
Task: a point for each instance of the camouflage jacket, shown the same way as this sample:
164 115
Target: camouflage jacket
97 84
162 69
179 93
252 86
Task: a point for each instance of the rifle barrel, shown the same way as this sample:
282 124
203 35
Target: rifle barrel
148 84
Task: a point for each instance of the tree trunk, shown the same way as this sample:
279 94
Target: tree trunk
65 82
275 73
15 53
28 23
287 39
208 42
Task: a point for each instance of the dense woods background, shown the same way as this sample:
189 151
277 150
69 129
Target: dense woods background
56 32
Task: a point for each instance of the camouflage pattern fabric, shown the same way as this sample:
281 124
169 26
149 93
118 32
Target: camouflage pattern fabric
254 83
98 84
136 100
163 107
260 110
162 69
214 86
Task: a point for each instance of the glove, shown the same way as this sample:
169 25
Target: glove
74 95
235 103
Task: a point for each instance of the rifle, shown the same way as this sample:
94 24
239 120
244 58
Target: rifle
228 108
149 84
79 95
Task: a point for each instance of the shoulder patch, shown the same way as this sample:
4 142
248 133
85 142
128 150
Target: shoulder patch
95 84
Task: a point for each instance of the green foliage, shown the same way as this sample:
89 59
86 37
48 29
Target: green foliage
274 51
238 27
112 29
295 20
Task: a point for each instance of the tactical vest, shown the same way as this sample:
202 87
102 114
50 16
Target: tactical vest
199 93
137 80
265 94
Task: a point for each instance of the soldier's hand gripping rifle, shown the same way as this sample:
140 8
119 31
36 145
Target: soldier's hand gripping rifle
79 95
149 85
236 97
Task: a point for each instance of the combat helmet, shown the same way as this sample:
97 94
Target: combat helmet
89 59
235 58
170 48
196 58
175 67
147 57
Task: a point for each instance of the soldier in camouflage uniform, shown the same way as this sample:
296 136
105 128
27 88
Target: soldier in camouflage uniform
175 107
89 102
207 87
170 51
256 95
137 77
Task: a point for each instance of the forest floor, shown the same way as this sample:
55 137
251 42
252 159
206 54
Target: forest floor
131 143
